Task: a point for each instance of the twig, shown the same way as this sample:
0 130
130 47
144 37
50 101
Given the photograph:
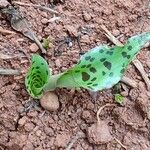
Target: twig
129 82
9 72
54 19
101 108
119 142
140 67
36 6
4 56
5 32
111 37
78 136
136 62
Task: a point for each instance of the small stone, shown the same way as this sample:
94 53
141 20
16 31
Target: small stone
134 94
49 101
58 63
62 140
22 121
99 133
38 133
34 47
116 32
4 3
44 21
32 113
85 39
29 126
71 30
86 16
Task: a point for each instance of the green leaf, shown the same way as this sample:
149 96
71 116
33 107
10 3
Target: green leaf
103 66
37 76
119 98
98 69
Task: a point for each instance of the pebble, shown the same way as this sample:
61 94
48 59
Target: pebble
34 47
71 30
3 3
85 39
99 133
86 16
22 121
29 126
58 63
116 32
62 140
38 133
49 101
44 21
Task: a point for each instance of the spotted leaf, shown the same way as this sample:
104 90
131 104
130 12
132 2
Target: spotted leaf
37 76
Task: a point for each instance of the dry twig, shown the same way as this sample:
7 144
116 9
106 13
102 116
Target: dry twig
119 142
140 67
136 62
9 72
78 136
5 56
101 108
5 32
36 6
129 82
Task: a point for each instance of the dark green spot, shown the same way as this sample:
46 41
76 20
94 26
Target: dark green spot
32 69
111 49
102 59
122 71
89 83
94 79
103 73
33 62
88 57
37 67
92 59
101 51
83 66
107 64
128 56
29 81
95 85
47 72
38 71
79 62
77 71
85 76
90 87
42 64
111 74
109 52
124 54
92 69
88 66
129 48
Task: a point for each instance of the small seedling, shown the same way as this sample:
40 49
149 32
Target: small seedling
98 69
45 43
119 98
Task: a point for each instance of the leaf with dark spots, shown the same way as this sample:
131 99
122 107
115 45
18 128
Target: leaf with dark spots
92 69
85 76
107 64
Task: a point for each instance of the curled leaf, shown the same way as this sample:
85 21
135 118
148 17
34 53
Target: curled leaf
37 76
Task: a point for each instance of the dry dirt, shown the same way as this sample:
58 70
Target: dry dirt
22 127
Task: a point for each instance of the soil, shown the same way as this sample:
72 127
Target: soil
23 127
